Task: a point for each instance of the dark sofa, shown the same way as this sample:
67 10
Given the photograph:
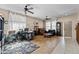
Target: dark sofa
49 33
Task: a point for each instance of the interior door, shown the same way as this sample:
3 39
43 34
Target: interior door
77 33
68 29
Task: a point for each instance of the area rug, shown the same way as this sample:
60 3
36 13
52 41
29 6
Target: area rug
24 47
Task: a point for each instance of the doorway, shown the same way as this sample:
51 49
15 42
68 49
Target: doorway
58 28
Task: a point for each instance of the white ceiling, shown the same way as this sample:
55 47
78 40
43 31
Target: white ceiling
43 10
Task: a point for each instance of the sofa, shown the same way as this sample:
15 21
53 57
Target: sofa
49 33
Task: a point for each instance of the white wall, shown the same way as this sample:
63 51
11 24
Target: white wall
67 20
74 19
30 21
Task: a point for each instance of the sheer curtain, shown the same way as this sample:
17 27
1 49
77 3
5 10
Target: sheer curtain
16 22
53 25
50 25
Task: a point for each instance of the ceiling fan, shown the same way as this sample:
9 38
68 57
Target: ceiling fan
27 8
47 18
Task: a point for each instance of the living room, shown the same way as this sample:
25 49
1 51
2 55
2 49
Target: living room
16 24
37 28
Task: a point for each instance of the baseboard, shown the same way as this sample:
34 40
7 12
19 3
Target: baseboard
67 37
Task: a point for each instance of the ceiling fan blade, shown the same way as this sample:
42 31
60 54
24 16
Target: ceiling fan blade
30 8
30 12
26 9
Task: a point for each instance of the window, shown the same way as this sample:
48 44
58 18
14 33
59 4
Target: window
50 25
16 22
53 25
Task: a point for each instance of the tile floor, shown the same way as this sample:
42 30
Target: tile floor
66 46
